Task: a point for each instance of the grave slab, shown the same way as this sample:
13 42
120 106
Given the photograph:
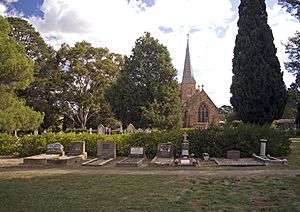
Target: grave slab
135 158
106 152
165 155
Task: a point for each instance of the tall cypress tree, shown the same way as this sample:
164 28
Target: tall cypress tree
258 91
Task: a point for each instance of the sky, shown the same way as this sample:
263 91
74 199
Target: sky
117 24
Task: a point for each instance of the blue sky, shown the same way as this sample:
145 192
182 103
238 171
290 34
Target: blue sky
116 24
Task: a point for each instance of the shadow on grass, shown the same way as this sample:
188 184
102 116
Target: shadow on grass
79 192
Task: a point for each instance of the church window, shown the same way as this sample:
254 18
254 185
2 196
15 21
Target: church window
203 115
189 91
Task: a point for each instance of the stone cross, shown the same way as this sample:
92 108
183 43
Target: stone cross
185 135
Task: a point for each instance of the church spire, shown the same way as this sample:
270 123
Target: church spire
188 76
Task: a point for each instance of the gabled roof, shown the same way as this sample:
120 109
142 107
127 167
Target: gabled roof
191 101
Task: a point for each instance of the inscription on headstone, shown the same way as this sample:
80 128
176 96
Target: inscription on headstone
165 150
137 152
106 150
76 148
233 154
55 148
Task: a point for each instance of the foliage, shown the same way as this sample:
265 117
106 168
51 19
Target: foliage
86 72
147 92
215 141
292 6
258 90
16 72
40 93
290 110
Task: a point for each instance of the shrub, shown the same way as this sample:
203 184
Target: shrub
215 141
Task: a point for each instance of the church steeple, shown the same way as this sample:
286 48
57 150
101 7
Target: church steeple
188 76
188 84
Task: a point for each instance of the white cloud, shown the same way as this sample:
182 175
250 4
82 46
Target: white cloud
11 1
116 24
2 9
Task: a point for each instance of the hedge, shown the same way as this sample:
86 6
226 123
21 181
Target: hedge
215 141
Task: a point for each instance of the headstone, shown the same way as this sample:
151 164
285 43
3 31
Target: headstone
101 129
165 150
76 148
233 154
106 150
91 131
121 129
55 148
16 133
185 150
263 145
130 128
35 132
148 130
135 158
185 158
137 152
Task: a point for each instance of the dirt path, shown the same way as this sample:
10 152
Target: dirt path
154 172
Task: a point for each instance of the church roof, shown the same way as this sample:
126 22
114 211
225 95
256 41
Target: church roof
202 96
188 76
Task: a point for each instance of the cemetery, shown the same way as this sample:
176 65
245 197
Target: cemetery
84 128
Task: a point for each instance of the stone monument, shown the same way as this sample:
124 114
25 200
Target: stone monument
165 155
135 158
185 158
106 152
53 151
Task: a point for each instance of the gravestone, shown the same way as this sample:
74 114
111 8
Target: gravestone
165 150
135 158
54 151
106 152
137 152
35 132
185 158
263 147
91 131
130 128
233 154
55 148
77 148
164 155
101 129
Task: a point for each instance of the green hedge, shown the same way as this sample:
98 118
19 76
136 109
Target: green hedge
215 141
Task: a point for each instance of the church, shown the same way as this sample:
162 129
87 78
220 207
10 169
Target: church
198 109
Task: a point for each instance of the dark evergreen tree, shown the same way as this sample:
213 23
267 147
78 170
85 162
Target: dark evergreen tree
258 91
147 92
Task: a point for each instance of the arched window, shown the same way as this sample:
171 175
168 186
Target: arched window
203 114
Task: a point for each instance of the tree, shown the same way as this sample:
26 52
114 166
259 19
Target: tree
293 65
292 6
16 72
86 72
40 94
147 92
258 91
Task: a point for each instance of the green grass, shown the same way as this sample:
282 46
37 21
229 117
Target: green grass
294 157
78 192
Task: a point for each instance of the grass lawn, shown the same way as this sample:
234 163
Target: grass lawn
77 192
